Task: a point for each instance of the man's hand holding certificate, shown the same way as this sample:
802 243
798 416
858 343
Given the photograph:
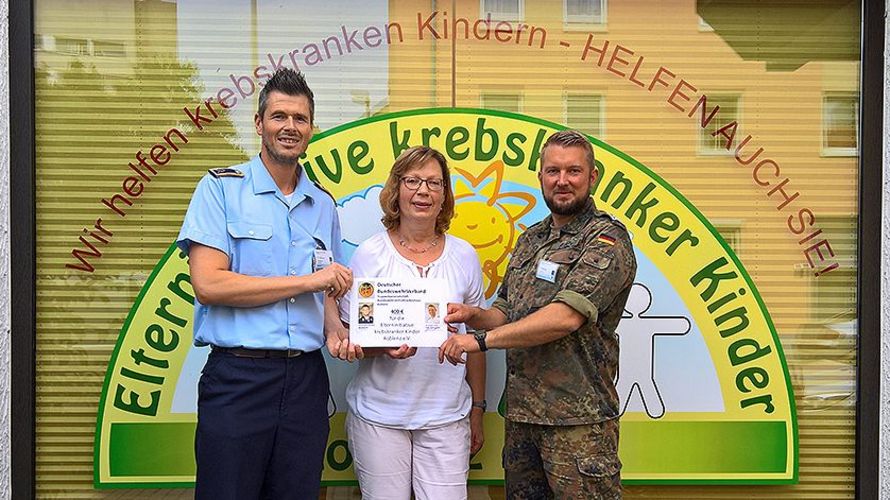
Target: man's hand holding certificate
394 312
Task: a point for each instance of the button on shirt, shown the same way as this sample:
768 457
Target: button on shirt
252 222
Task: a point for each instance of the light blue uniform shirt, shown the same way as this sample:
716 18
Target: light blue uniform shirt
248 219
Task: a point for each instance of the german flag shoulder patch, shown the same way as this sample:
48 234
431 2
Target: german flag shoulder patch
606 239
226 172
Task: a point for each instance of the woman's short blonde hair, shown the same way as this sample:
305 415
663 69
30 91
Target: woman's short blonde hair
409 159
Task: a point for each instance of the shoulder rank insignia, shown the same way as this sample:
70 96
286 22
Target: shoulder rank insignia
319 186
226 172
614 220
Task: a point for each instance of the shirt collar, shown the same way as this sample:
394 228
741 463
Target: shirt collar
262 179
304 187
264 183
579 221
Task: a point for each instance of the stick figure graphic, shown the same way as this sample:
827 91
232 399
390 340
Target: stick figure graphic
636 339
332 405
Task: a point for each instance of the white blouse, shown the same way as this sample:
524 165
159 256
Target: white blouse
418 392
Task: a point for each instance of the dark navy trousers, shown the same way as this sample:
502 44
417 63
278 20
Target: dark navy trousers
262 427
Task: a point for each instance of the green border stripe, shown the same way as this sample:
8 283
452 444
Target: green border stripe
166 449
704 447
152 449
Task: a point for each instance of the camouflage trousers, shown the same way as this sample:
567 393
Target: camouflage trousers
562 462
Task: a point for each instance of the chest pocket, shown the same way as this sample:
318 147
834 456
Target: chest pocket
566 258
251 248
597 259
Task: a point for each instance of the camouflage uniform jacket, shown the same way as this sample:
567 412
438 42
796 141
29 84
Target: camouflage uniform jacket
569 381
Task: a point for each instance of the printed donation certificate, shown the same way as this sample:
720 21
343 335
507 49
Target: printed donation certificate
391 312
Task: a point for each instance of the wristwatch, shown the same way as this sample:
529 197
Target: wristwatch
480 338
480 404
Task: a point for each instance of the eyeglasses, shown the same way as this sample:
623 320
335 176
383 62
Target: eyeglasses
413 183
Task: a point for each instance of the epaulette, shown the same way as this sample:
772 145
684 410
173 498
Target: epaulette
319 186
612 219
617 222
226 172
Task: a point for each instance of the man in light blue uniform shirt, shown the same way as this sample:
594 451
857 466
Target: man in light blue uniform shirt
264 245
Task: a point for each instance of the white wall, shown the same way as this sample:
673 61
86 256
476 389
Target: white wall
4 252
885 280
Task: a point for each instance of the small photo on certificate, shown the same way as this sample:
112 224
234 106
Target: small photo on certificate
393 312
366 313
432 313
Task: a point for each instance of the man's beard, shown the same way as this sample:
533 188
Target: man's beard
279 157
573 207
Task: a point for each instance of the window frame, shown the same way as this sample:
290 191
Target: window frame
600 112
520 15
583 22
701 147
498 92
22 254
834 150
732 228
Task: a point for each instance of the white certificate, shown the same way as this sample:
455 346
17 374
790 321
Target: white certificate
391 312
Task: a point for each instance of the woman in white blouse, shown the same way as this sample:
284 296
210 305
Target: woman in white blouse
413 422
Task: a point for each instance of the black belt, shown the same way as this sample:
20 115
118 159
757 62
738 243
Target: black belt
243 352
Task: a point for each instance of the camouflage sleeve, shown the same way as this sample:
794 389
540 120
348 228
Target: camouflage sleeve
500 302
605 268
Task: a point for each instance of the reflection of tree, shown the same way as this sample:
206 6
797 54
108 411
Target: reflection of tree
143 107
89 126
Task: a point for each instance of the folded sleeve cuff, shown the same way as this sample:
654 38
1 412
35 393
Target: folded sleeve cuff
501 305
187 237
579 303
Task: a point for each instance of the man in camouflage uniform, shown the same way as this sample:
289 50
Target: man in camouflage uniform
556 313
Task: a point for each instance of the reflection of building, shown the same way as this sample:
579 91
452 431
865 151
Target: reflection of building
787 30
111 36
787 73
801 108
810 129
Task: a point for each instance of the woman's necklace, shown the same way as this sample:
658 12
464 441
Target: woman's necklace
404 244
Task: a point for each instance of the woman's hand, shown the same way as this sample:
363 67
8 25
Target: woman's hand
477 435
402 352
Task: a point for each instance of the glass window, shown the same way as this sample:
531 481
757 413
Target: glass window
73 46
731 232
585 11
584 112
503 10
503 101
726 109
834 294
840 124
109 49
136 100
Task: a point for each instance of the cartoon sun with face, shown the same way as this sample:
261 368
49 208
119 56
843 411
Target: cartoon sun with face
488 219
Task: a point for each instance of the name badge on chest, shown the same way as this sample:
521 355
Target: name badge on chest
547 270
322 259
